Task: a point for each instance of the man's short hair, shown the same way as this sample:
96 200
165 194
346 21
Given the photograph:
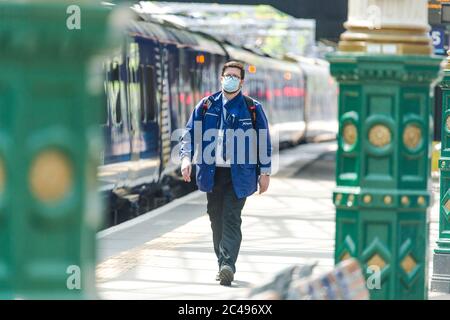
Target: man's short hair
234 64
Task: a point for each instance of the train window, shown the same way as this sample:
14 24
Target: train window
119 108
149 91
134 96
105 107
143 82
115 87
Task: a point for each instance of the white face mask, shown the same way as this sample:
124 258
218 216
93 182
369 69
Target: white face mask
231 84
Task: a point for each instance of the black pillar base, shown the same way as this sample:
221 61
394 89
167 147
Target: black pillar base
440 281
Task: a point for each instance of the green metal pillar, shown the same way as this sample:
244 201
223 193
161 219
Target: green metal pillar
441 259
385 74
49 147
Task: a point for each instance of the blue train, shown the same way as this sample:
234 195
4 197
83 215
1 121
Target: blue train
153 82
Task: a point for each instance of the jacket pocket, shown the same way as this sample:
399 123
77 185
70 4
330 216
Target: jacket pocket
247 176
204 177
210 121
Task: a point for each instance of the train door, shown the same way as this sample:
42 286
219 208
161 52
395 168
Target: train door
150 128
110 105
185 90
114 170
105 121
120 141
172 79
165 125
134 104
196 75
213 74
150 97
300 103
180 90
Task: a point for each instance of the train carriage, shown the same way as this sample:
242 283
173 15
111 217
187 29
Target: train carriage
152 85
279 86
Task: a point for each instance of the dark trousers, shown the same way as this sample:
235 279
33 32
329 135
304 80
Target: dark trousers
224 210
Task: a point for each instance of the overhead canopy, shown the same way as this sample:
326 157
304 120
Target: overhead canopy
262 27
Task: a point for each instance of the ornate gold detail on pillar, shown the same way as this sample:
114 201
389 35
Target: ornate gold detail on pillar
384 40
447 205
387 200
376 260
338 198
51 176
350 200
350 134
408 264
379 135
405 200
412 136
387 27
367 198
421 201
447 123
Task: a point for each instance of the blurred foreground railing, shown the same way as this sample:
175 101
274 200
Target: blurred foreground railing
344 282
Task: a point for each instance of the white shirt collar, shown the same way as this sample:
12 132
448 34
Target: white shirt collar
224 99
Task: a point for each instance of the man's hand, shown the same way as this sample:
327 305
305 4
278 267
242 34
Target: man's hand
186 168
264 181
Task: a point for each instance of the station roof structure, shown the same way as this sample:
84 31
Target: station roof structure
260 27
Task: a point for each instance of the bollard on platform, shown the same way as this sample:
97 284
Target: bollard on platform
440 280
50 85
385 69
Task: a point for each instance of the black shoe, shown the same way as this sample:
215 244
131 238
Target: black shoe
226 275
218 276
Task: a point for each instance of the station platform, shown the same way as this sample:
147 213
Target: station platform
168 253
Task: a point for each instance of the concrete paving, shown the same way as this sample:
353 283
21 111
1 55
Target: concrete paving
168 254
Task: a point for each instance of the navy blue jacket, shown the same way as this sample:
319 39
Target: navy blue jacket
243 171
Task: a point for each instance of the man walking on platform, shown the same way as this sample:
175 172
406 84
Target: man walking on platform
228 140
